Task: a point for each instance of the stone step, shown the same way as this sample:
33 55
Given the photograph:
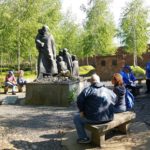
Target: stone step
11 99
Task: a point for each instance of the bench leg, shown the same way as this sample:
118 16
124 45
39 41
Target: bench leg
123 128
5 90
137 91
98 139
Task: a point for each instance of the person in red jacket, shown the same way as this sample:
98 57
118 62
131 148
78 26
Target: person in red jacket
10 81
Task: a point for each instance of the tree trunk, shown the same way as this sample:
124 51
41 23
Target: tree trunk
30 60
18 54
1 61
87 60
135 44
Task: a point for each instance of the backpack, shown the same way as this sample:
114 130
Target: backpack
129 99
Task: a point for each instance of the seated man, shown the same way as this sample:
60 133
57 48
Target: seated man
129 79
20 80
10 81
95 104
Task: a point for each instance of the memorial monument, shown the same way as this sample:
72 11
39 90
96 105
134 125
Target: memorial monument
58 81
47 53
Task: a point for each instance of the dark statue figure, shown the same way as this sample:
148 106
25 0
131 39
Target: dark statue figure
75 66
61 65
67 59
47 53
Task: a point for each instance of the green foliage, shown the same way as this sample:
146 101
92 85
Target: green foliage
138 71
134 27
72 94
19 22
4 69
2 77
99 30
69 34
83 70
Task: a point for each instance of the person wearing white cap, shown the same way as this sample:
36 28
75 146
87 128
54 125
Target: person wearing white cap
95 104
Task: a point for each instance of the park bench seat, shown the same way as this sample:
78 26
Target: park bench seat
140 79
20 88
121 122
137 89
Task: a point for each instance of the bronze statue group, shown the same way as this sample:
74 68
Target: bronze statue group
50 64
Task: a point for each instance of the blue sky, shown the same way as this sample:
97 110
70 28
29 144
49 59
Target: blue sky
74 5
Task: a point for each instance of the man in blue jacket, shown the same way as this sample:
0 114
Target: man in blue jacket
129 79
148 77
127 75
95 104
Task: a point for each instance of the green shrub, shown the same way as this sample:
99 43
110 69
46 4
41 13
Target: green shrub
83 70
4 69
72 95
138 71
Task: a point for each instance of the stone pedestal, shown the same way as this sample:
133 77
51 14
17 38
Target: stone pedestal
53 94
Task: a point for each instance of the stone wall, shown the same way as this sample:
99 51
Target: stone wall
106 66
53 94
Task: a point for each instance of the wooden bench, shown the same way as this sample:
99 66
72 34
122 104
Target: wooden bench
139 80
121 122
20 88
137 89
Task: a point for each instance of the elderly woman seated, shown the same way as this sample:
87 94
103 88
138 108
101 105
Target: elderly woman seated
10 81
20 80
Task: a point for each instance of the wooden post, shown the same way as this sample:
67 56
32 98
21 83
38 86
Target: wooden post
98 138
123 128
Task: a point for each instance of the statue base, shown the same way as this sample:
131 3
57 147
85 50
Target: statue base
54 94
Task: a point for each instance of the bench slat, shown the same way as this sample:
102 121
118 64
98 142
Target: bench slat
121 121
119 118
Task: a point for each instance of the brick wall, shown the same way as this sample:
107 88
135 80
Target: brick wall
106 66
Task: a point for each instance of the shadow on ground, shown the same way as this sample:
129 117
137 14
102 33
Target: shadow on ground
42 145
42 121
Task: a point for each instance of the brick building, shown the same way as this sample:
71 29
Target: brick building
106 66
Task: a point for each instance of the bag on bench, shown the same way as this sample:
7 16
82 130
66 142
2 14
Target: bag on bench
129 98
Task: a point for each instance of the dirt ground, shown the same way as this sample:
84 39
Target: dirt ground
43 128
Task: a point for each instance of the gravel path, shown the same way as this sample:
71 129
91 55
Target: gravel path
33 128
42 128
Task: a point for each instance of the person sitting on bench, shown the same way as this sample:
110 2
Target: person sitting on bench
10 81
148 78
129 79
119 90
96 104
20 80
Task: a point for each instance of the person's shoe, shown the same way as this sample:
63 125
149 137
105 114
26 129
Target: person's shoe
13 93
83 141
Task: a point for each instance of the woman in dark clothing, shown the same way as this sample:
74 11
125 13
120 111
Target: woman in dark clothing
119 90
